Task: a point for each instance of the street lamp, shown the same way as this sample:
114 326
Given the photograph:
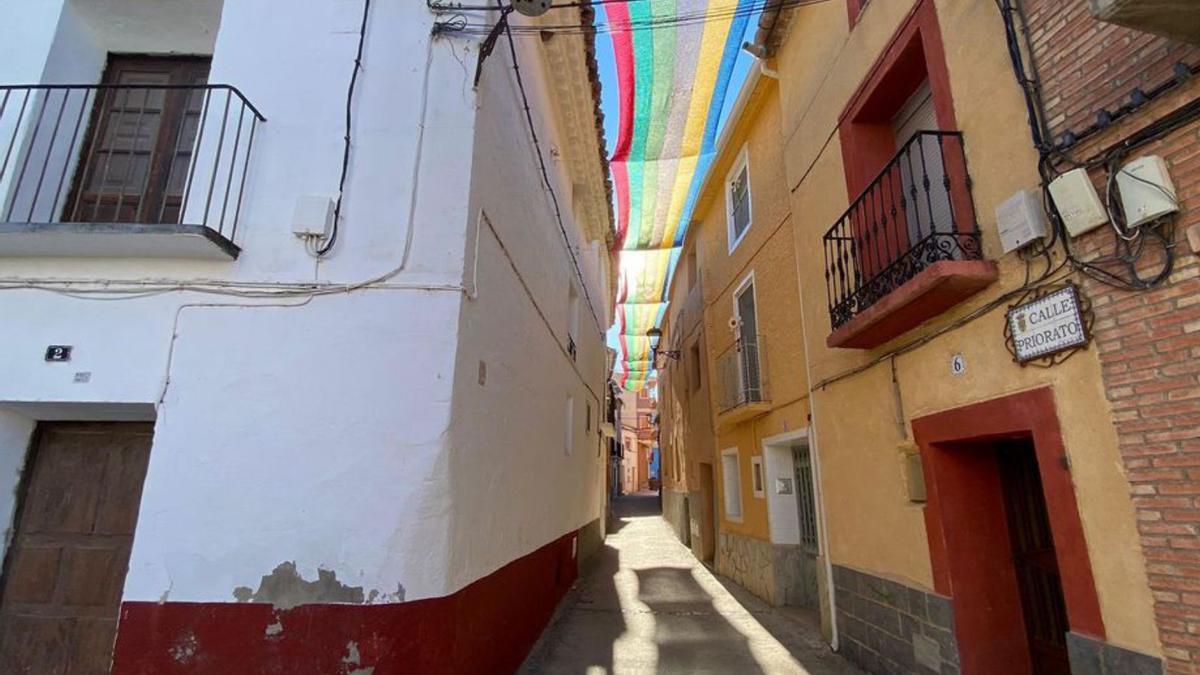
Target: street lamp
668 353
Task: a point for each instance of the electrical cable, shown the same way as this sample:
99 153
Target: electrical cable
1126 254
653 23
459 7
325 248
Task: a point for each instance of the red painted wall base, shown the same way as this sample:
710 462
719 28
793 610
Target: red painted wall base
487 627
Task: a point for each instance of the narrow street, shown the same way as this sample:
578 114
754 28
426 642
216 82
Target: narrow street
648 606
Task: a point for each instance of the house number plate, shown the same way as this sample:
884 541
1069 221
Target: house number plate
58 353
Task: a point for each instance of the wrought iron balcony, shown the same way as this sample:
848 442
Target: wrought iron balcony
95 160
741 376
916 213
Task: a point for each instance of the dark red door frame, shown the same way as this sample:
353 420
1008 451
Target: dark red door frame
914 54
968 538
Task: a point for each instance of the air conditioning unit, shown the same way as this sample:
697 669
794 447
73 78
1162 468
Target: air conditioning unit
1175 19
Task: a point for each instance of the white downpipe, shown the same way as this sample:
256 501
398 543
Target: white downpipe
815 453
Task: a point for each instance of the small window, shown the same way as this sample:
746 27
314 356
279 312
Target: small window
569 437
588 428
695 368
731 480
756 477
737 199
693 269
572 318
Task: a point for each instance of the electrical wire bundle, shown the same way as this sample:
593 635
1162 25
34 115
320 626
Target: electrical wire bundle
743 9
1132 248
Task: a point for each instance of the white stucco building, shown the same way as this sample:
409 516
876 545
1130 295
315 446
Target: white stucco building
388 455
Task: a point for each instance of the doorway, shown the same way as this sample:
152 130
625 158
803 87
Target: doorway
708 514
1034 558
1006 542
806 512
64 572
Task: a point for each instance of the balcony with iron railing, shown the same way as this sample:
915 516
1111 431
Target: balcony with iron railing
908 248
742 382
123 169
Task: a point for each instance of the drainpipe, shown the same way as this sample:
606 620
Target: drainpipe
766 26
815 453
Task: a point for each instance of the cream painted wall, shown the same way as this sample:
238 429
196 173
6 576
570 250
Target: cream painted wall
872 526
507 437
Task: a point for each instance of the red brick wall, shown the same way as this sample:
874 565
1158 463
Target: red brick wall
1086 65
1148 341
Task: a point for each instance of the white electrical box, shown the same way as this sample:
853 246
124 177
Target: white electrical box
1146 190
313 216
1020 219
1077 202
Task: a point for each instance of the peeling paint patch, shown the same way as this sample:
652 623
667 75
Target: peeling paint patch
184 650
274 629
353 658
285 588
377 595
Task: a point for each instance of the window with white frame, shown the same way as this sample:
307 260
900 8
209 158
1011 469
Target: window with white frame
737 201
731 480
756 477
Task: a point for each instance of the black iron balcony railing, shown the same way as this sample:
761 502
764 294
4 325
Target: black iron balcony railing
741 371
125 154
917 212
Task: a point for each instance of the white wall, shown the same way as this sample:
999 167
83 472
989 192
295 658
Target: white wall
514 487
313 434
347 433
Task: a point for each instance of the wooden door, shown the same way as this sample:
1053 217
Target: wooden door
140 146
1034 558
65 569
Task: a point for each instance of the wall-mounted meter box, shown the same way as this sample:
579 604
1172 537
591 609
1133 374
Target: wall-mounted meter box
313 216
1077 202
1146 190
1020 219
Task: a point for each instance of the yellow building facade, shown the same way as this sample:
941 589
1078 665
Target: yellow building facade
733 386
878 454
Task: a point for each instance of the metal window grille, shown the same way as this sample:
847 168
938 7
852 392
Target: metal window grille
916 212
127 165
806 499
739 193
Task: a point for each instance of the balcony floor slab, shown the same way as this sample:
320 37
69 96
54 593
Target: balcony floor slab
936 289
114 240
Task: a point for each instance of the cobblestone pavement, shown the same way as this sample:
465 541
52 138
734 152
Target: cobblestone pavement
648 606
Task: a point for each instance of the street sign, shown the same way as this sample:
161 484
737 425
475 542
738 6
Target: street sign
1048 325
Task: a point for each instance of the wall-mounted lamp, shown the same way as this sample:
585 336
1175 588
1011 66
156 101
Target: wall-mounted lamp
668 353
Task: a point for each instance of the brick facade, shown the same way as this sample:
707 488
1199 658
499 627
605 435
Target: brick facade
1148 341
1086 65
